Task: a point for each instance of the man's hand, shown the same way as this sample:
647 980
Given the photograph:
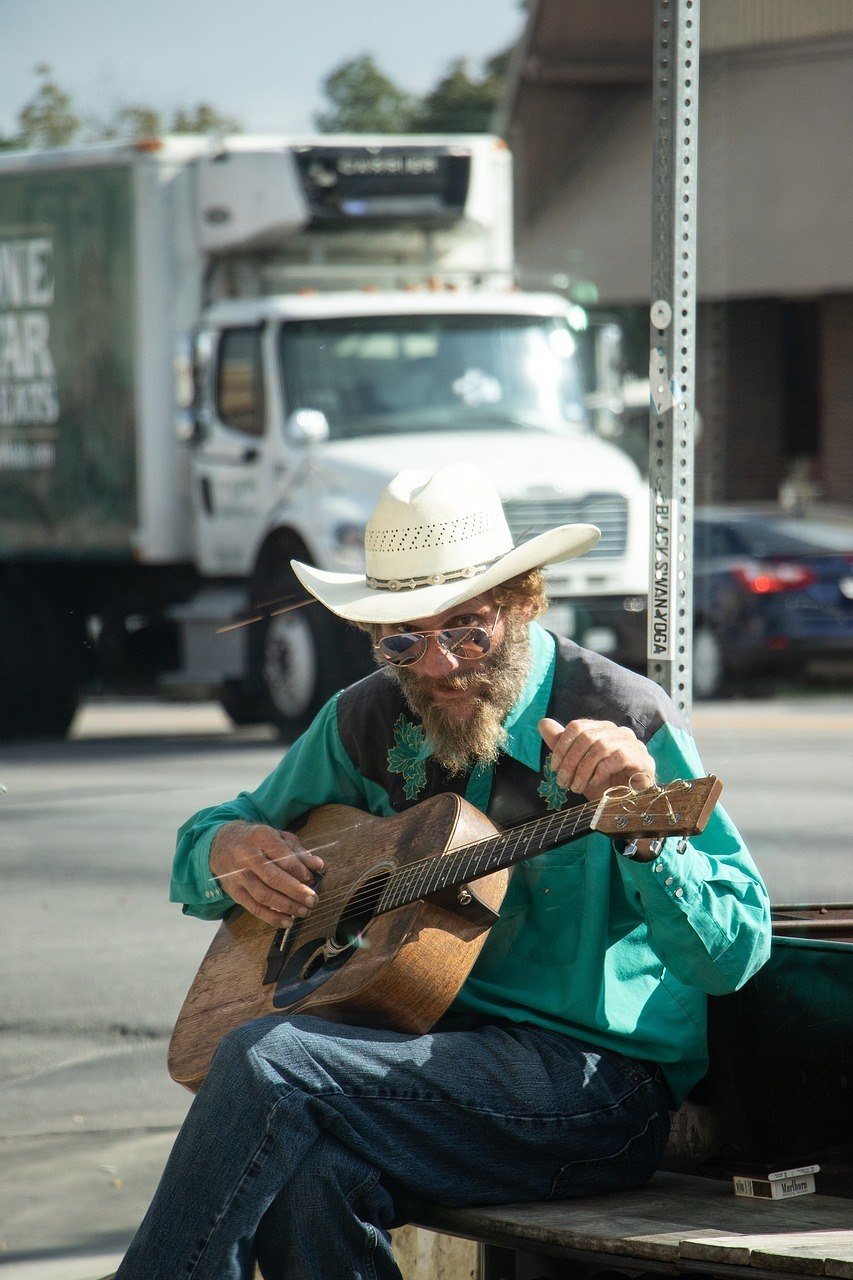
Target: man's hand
268 872
588 756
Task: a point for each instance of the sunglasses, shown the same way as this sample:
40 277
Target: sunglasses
468 643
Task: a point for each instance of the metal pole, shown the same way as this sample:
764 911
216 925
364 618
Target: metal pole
672 347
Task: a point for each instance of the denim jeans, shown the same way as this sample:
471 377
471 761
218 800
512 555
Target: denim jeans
306 1138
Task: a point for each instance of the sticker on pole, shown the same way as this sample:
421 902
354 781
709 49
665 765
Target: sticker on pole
662 622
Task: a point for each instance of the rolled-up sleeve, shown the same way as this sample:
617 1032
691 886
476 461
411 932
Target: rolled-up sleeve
707 909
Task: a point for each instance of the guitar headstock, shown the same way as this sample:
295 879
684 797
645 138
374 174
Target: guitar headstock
679 808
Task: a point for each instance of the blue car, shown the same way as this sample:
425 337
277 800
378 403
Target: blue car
771 592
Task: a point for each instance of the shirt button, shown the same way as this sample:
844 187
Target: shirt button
658 867
668 880
679 893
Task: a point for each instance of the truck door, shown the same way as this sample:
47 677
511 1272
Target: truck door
233 473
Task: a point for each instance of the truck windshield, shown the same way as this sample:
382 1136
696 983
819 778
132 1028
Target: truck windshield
376 374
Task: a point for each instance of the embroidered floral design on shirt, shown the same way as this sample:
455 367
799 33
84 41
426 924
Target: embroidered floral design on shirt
550 790
403 757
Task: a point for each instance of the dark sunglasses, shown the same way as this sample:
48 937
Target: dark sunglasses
408 647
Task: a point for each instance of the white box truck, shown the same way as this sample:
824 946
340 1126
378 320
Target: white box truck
214 356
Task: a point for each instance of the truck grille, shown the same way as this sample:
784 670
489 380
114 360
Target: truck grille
609 511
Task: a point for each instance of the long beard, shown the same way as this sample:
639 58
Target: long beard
498 682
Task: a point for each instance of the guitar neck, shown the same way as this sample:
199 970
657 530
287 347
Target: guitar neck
421 879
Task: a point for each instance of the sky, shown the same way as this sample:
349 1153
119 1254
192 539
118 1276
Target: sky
261 61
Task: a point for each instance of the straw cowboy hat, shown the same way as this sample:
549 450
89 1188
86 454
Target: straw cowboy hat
434 541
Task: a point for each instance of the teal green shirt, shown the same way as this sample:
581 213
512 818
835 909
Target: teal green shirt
616 953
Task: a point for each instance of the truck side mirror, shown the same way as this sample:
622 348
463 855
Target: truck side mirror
193 354
307 426
191 428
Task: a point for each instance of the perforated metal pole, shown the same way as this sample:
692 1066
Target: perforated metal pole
672 346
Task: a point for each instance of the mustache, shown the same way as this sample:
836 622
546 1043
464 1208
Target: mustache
459 680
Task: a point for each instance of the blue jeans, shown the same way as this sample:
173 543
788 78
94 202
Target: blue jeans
306 1138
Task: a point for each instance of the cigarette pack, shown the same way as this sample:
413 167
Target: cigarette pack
780 1186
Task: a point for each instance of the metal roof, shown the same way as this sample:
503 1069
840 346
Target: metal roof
775 152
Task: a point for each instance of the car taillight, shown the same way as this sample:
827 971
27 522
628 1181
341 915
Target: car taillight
767 579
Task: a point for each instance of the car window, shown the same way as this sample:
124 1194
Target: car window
713 540
793 537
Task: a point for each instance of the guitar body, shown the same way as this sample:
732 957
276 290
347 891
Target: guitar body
399 969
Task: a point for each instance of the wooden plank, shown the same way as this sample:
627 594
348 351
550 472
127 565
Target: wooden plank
804 1251
817 1250
676 1217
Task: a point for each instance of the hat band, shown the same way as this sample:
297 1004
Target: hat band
431 580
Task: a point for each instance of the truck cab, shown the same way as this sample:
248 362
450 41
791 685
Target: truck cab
309 400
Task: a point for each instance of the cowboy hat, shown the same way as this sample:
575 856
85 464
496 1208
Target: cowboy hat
433 542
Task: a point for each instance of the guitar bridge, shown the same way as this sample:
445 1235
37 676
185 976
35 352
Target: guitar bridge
275 956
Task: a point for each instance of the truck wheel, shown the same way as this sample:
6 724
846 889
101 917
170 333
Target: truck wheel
709 668
296 658
42 672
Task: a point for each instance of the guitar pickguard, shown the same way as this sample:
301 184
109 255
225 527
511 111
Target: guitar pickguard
306 968
301 959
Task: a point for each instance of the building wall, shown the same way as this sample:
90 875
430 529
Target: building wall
835 474
740 396
775 175
727 25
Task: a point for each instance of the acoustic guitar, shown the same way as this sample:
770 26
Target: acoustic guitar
404 907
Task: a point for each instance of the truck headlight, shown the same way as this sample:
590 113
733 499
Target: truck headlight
348 546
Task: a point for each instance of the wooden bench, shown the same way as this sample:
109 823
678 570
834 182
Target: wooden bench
678 1224
780 1085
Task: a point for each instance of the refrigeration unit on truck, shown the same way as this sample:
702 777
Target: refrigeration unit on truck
213 357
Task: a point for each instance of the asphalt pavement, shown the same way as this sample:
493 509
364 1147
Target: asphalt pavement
95 962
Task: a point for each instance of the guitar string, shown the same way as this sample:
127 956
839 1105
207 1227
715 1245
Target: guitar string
371 894
515 834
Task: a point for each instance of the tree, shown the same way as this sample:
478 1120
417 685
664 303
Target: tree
461 103
49 119
203 118
364 100
127 122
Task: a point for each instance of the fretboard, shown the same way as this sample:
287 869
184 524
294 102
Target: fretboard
420 879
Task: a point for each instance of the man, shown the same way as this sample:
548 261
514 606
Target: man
583 1019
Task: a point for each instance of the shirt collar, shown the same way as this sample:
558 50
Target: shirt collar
524 742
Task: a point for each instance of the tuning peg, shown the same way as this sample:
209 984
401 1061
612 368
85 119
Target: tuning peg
681 847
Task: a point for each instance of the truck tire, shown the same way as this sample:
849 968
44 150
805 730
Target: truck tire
296 659
43 670
709 666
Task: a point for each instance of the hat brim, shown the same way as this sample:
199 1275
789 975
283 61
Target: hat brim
349 596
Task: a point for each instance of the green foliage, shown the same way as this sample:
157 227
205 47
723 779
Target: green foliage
203 118
48 120
129 122
460 102
364 100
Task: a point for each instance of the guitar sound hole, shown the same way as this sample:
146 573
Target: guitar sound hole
359 911
313 964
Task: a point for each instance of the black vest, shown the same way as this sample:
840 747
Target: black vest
383 737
